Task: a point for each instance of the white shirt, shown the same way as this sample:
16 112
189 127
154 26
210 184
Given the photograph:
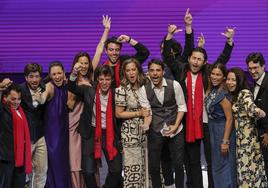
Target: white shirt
103 101
17 111
257 86
160 93
35 103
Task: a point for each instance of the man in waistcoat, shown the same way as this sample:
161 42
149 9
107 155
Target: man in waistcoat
168 107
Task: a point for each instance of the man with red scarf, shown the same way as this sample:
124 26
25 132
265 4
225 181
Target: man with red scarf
98 127
113 48
15 150
193 77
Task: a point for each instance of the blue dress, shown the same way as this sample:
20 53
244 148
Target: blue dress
223 166
57 140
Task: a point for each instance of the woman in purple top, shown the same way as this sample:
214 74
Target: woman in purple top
56 128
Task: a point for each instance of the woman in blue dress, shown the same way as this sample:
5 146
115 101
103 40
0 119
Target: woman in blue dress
222 133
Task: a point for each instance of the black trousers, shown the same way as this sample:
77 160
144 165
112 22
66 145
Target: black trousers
89 167
166 165
193 161
175 145
11 176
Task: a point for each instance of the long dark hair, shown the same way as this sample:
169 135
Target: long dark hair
223 69
90 68
241 81
52 64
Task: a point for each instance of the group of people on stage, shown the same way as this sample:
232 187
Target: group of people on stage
148 126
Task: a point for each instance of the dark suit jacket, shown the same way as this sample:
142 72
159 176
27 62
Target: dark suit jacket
87 93
262 102
6 134
179 66
35 116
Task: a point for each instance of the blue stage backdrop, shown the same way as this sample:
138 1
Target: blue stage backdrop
47 30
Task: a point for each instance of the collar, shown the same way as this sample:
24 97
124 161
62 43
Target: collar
32 91
111 64
164 84
259 81
104 96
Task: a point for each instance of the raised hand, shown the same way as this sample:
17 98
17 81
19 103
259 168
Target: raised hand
229 33
188 19
201 41
37 96
76 69
172 29
5 83
123 38
106 21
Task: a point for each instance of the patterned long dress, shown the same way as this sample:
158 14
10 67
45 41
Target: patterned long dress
249 160
134 141
223 166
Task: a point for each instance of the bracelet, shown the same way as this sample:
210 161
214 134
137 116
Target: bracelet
225 141
129 40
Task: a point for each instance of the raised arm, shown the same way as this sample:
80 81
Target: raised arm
168 42
228 48
106 21
172 29
188 20
189 38
201 41
172 61
46 95
72 86
142 53
177 63
189 35
5 83
229 34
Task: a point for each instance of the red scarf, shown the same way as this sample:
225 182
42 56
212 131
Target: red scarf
194 116
109 127
21 135
117 71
